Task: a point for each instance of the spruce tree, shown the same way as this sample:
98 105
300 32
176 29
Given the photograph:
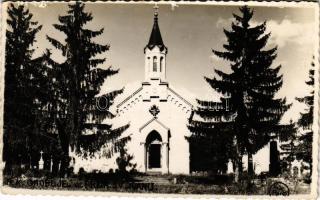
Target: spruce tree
45 128
304 147
21 97
76 85
250 106
288 139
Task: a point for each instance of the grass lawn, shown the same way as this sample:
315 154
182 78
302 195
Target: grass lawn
142 183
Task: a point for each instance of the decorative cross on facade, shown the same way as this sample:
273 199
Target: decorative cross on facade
154 110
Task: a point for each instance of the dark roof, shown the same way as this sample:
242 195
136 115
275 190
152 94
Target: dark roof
155 37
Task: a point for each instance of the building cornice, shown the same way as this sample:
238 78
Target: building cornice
129 97
180 97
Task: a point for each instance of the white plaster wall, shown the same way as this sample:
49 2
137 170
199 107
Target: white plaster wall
173 115
155 88
102 164
149 64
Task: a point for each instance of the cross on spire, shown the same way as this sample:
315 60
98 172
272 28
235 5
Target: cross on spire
156 9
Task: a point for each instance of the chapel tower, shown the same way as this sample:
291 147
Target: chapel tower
155 54
155 83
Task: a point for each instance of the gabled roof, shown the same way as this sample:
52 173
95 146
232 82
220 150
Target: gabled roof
153 120
141 88
180 97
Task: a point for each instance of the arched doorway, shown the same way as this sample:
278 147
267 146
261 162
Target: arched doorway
153 150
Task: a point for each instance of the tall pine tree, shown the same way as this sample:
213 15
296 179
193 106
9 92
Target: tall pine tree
23 78
45 127
304 147
250 106
76 84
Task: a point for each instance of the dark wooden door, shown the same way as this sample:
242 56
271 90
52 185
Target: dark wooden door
154 156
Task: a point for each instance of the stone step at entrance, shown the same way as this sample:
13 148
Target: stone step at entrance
154 179
154 173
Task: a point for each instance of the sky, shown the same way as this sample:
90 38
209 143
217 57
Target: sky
190 32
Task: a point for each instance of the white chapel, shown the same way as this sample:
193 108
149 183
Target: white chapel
158 115
158 118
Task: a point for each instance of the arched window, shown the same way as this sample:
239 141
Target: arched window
148 63
161 64
154 63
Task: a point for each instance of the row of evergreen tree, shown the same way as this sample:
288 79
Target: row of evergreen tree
249 114
50 106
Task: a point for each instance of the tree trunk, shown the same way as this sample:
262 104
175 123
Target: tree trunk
238 169
64 167
250 165
64 138
238 163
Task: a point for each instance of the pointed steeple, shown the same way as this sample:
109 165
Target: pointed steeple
155 54
155 37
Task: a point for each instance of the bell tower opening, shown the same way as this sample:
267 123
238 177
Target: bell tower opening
154 64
